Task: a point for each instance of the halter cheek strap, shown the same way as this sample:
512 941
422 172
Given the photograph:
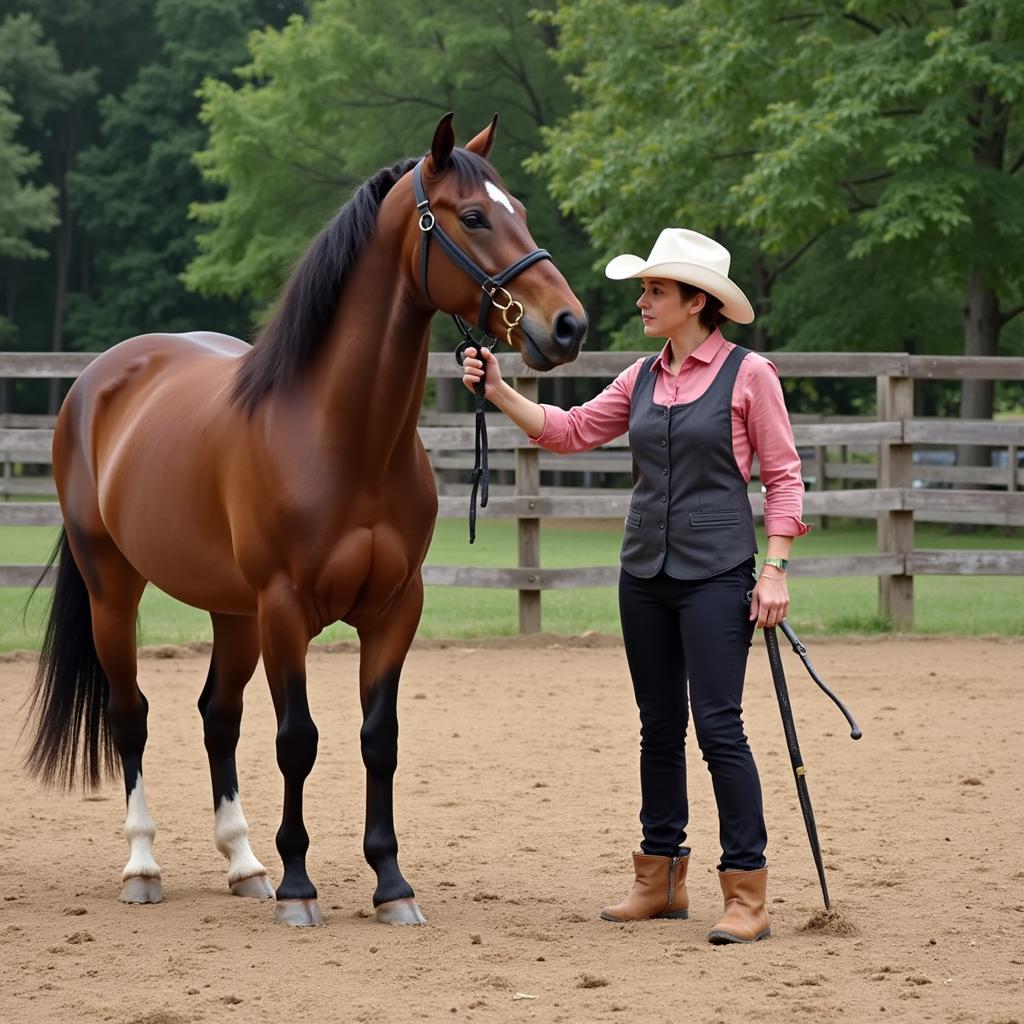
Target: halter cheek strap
494 294
492 285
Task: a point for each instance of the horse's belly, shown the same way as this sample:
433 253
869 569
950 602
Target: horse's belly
169 545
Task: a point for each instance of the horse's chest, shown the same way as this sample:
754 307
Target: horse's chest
369 568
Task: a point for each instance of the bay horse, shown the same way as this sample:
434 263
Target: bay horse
281 487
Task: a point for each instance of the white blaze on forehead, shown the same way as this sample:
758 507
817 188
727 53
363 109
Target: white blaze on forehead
498 196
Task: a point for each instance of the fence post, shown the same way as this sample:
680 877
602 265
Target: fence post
1011 459
821 471
528 484
895 530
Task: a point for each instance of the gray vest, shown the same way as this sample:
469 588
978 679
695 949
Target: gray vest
689 512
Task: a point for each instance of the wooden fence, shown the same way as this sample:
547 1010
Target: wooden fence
845 450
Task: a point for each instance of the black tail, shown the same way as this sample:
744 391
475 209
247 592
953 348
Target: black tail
70 697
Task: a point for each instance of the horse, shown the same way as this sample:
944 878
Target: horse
280 487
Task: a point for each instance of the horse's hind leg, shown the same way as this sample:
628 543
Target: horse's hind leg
115 589
382 653
235 653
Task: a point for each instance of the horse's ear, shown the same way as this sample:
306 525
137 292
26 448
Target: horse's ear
481 144
444 142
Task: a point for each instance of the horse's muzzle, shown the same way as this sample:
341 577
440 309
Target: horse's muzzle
543 350
567 333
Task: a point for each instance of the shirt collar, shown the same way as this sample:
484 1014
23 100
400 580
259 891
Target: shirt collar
705 351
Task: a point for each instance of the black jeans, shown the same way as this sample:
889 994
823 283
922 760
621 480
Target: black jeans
695 631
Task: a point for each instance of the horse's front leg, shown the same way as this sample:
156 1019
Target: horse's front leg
382 653
284 638
236 650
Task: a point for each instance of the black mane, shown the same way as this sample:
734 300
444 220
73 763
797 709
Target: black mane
310 299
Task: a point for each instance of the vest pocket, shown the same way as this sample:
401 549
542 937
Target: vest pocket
711 519
633 518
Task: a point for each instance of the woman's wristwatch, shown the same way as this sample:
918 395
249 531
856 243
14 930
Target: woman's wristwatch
779 563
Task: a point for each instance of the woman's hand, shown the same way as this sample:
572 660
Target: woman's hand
473 370
769 602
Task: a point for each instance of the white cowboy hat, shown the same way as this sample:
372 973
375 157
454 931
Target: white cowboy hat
688 256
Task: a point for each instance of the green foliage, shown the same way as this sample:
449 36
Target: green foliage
132 191
859 158
329 98
24 207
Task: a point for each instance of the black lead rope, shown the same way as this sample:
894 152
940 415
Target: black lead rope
480 475
494 294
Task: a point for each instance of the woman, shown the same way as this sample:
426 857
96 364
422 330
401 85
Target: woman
696 414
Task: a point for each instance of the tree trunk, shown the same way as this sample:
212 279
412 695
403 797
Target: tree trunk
759 340
62 260
981 338
11 301
982 320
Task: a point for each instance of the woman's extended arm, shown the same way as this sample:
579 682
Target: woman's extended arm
526 415
579 429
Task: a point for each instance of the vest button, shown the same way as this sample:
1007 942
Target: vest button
663 442
664 471
661 526
664 497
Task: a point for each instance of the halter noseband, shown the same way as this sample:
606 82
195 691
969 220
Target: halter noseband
494 294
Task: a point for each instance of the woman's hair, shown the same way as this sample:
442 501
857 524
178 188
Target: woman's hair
711 315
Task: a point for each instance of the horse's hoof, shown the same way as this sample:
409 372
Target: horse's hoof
257 887
298 913
400 912
141 889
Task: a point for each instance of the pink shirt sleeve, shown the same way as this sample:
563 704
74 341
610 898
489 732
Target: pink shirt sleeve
758 395
596 422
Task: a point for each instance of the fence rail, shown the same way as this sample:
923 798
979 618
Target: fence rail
888 441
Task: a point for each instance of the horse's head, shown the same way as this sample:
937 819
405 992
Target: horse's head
473 255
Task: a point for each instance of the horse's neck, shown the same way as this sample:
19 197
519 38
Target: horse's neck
368 387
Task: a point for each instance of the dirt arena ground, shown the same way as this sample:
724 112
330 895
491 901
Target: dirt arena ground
516 804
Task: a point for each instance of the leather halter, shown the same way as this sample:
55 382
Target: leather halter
494 294
492 285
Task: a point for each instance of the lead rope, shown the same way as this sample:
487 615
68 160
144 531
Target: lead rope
480 475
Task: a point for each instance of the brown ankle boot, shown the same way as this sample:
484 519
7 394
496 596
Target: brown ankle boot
745 919
658 891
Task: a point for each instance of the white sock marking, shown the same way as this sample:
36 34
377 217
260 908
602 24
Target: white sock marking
140 831
231 834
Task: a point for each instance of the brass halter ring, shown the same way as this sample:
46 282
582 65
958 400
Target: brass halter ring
511 309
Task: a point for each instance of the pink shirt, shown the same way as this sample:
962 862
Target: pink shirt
760 422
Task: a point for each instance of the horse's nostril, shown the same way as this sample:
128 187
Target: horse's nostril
568 329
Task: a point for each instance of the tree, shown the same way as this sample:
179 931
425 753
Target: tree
133 189
876 137
330 98
97 44
908 136
30 70
24 208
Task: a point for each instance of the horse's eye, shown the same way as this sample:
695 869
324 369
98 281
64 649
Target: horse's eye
473 219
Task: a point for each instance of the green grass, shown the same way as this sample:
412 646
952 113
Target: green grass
968 605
